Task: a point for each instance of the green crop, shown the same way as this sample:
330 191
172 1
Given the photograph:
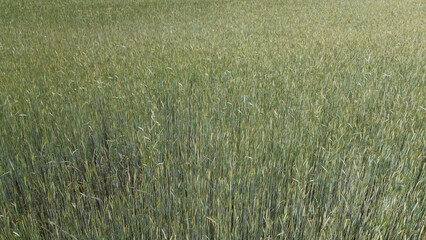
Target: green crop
212 119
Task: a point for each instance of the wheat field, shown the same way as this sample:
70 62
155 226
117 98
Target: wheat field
212 119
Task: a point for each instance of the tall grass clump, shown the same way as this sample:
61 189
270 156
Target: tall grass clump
195 119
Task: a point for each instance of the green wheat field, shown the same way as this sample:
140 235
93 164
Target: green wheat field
212 119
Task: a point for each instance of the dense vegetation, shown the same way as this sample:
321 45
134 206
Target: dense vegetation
212 119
